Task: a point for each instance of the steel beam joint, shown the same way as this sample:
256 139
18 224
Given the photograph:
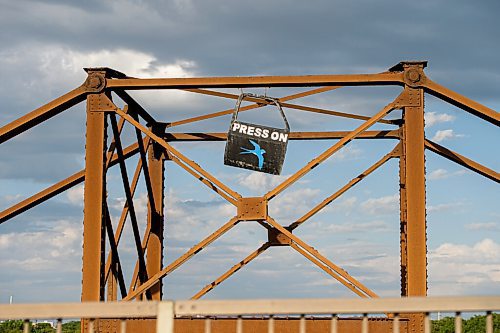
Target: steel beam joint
252 208
414 75
97 77
102 103
277 238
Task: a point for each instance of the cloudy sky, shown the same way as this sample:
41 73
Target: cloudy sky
45 45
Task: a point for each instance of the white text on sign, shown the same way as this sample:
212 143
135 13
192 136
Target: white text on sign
258 132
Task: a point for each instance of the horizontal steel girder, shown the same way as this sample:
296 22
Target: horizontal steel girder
58 188
333 135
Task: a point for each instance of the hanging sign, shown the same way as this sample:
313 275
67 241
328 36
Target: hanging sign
256 147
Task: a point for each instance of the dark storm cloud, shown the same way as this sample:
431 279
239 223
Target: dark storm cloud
235 38
257 36
252 37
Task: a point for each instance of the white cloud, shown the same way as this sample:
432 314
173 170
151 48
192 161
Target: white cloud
447 134
462 269
373 226
444 207
438 174
55 69
260 182
131 62
488 226
75 195
443 174
292 205
383 205
347 153
9 199
190 220
373 264
433 118
55 248
345 206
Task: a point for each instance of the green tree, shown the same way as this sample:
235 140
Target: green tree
11 326
477 324
444 325
42 328
71 327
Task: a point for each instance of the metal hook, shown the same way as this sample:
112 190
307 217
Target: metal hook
266 100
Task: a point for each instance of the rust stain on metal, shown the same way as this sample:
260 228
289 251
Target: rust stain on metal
251 209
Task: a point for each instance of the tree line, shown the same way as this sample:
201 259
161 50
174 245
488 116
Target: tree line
475 324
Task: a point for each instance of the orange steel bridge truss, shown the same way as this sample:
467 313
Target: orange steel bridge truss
153 144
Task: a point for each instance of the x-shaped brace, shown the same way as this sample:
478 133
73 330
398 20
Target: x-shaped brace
282 236
260 209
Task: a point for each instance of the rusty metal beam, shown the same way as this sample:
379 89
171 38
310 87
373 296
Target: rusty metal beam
335 113
94 199
462 160
202 179
143 276
330 151
154 263
413 223
100 84
111 149
61 186
145 163
43 113
57 188
231 271
387 78
327 270
123 216
116 266
282 99
182 259
414 164
171 150
42 196
135 275
248 107
219 136
403 219
358 285
145 241
289 105
394 153
462 102
136 106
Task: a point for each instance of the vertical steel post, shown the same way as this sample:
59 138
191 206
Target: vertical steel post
403 215
94 199
112 294
94 218
154 263
412 185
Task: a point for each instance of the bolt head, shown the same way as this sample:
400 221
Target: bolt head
94 81
413 75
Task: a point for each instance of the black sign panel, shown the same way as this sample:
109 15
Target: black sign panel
256 147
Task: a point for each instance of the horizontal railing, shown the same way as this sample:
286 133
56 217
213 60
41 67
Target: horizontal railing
166 311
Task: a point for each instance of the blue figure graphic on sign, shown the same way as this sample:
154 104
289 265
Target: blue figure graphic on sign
257 151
